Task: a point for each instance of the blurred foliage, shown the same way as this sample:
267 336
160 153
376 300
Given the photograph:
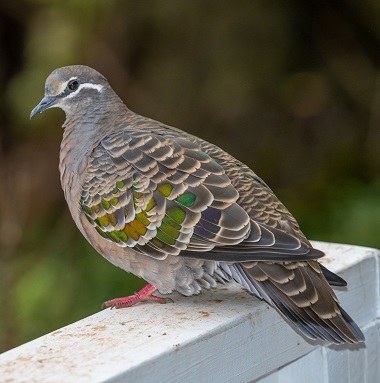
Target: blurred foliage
290 88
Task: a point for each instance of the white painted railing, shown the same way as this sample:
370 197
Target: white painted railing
224 335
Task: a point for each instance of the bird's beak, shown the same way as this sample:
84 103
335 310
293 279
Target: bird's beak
45 103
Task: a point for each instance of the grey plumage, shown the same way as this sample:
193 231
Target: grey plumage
182 213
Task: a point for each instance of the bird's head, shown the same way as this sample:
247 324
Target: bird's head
72 88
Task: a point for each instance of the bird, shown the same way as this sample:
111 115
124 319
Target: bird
182 213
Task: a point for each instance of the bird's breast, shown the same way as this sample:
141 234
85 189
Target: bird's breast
72 167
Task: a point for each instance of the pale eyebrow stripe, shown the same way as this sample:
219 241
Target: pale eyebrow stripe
88 85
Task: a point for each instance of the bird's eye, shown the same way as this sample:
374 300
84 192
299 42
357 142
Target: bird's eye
73 84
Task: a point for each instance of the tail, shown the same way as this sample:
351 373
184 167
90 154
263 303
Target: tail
301 293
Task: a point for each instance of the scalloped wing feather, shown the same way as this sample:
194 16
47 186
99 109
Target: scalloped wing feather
164 195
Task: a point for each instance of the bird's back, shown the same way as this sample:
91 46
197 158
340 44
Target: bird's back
255 196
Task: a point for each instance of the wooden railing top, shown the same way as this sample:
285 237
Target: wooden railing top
224 335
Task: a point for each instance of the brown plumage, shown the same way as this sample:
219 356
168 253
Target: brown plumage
182 213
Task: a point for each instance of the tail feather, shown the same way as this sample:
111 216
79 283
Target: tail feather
353 326
332 278
305 321
317 313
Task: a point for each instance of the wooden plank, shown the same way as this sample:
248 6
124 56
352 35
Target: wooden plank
224 335
312 368
334 364
372 355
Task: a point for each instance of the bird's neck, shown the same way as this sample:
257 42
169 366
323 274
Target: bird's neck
94 118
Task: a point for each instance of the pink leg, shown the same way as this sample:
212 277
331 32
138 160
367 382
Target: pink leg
145 294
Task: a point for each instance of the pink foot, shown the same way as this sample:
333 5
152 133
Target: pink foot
145 294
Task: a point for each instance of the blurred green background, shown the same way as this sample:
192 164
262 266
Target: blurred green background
290 88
